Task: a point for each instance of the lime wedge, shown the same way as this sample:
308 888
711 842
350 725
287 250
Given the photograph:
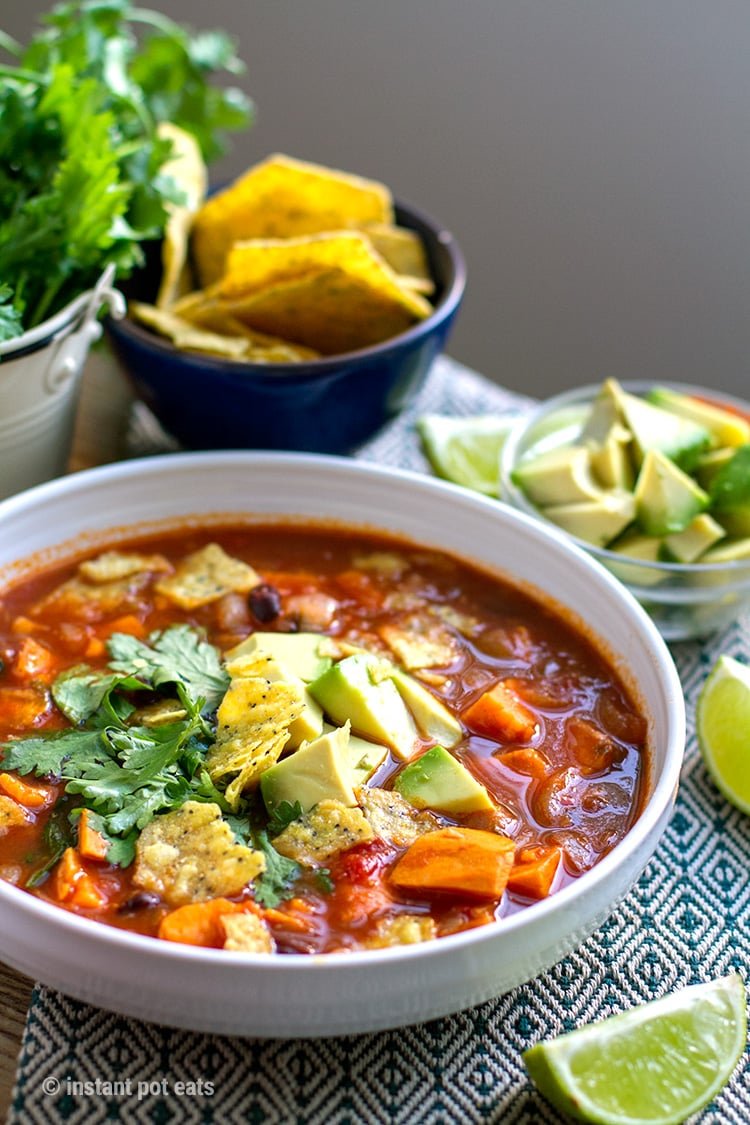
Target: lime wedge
654 1065
722 721
466 450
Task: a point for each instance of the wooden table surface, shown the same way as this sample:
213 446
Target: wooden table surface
100 432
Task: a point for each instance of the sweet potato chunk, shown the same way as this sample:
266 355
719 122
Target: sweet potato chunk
26 793
534 871
200 923
500 714
460 861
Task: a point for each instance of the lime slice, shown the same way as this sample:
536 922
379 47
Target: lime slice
654 1065
466 450
722 720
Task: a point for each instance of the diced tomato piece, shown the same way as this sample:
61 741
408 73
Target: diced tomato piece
33 662
23 707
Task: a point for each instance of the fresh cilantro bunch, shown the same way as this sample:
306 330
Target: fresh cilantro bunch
81 180
125 772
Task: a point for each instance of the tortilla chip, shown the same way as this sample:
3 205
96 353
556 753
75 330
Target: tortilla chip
205 310
322 833
188 170
191 855
402 929
392 817
329 311
420 645
263 263
205 576
254 720
246 933
12 815
185 335
281 198
402 249
112 566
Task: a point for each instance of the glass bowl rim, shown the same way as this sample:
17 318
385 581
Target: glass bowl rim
580 395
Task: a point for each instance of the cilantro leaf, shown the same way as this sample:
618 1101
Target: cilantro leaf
283 815
177 655
81 163
274 884
324 880
10 317
58 835
46 755
80 691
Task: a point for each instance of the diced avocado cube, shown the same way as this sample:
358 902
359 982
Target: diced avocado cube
667 499
440 782
557 476
318 771
635 545
309 725
364 758
603 414
734 550
726 427
595 521
658 430
355 689
709 464
736 522
611 461
730 488
688 545
296 651
432 717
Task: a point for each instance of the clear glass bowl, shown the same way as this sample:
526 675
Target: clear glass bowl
685 600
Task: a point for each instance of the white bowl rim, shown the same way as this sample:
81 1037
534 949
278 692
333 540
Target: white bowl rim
660 798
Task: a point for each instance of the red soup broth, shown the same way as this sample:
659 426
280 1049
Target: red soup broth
564 796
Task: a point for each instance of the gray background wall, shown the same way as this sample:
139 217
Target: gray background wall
592 156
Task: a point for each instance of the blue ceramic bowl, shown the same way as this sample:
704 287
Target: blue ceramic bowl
328 405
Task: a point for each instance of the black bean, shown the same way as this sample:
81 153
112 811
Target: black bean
142 900
265 603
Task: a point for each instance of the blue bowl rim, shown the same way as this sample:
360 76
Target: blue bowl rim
313 368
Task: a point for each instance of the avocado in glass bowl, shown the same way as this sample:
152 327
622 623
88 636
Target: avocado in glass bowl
654 482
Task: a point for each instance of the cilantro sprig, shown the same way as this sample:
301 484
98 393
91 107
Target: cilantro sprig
126 772
82 184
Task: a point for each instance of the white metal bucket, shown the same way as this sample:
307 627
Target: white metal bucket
40 375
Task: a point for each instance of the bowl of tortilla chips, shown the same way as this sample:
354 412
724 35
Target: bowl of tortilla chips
298 308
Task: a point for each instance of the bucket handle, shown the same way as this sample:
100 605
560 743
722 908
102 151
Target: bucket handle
72 353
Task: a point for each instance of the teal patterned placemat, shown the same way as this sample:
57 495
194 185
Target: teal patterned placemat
687 920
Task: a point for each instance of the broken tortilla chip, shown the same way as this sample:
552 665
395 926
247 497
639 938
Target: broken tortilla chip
185 335
187 168
402 249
